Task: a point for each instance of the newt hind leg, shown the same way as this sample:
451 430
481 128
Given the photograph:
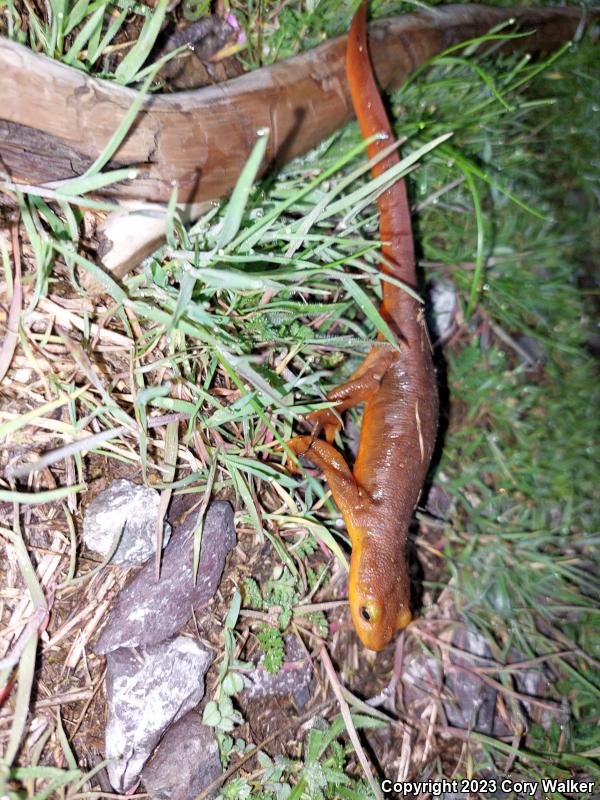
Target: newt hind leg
362 384
348 496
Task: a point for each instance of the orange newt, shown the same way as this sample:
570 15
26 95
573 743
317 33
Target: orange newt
398 386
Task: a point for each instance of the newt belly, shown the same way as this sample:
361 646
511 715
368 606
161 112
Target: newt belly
398 386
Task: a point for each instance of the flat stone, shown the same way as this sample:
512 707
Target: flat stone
148 611
439 501
472 702
130 508
185 762
293 679
148 690
444 304
469 703
532 353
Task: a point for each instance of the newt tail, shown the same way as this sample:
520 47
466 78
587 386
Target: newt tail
398 386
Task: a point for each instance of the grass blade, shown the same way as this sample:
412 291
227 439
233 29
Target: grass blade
239 198
128 68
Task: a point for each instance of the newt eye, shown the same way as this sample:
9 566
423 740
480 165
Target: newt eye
370 611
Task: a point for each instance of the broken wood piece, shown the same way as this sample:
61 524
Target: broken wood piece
56 120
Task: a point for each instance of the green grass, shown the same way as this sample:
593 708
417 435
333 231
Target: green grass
275 295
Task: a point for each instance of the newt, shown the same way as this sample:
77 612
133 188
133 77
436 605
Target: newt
398 387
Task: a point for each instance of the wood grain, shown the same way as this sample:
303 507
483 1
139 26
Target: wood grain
55 120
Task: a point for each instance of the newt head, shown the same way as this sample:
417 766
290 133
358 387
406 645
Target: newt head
379 598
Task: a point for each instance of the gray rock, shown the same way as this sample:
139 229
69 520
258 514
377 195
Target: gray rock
532 353
132 508
472 703
185 762
422 678
149 611
146 692
444 305
293 679
468 702
439 501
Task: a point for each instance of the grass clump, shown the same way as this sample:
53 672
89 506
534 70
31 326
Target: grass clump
521 454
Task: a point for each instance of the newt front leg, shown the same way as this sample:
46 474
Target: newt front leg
360 386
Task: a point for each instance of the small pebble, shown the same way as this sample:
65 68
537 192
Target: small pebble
293 679
131 510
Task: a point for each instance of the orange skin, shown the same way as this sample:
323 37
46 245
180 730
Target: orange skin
377 499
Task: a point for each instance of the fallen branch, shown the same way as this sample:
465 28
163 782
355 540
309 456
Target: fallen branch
55 120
